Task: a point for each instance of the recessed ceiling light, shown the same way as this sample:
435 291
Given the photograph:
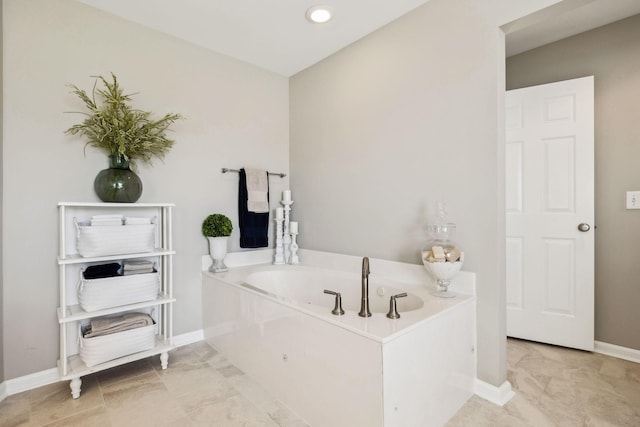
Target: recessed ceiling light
318 14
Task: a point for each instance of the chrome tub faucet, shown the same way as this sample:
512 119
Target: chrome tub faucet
364 304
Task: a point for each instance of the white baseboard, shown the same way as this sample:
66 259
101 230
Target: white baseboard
188 338
49 376
28 382
496 395
617 351
3 391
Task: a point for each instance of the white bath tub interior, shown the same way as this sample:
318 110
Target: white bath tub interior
275 323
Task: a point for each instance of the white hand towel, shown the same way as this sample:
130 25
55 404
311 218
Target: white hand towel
129 220
257 190
106 217
106 221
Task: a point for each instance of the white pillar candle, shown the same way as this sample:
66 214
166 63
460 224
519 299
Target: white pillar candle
286 196
279 213
293 227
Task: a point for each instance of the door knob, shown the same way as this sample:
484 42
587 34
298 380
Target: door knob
584 227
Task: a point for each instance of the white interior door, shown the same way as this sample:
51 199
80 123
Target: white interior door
550 213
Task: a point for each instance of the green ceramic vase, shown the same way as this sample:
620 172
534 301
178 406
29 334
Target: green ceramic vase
118 183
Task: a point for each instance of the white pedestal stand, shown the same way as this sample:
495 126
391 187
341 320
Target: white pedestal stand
287 235
279 257
294 249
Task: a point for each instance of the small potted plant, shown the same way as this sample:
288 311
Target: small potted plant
217 228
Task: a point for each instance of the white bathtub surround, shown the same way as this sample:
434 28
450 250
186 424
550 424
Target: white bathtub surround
416 370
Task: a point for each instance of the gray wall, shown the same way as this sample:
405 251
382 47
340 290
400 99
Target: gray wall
236 115
393 123
612 54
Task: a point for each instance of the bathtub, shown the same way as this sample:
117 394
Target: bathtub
274 322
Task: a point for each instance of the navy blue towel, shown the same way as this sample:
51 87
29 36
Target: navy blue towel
254 227
102 271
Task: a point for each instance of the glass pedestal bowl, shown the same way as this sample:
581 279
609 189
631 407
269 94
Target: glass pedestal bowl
442 259
442 272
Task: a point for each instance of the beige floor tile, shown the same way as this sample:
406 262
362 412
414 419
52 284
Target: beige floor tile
478 412
197 401
124 372
186 354
184 378
15 411
259 397
143 400
97 417
283 417
230 371
182 422
54 402
253 391
218 361
527 411
556 386
231 412
204 350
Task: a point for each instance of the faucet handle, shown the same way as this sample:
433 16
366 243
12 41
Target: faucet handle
337 309
393 310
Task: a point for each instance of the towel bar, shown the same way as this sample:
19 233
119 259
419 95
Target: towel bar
281 175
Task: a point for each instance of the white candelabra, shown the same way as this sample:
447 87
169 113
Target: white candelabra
294 245
279 258
286 232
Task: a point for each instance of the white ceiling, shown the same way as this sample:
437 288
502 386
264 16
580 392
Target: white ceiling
272 34
276 36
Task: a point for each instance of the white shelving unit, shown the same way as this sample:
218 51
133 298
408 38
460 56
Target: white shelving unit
71 315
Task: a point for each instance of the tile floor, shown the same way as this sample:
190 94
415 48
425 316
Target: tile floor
200 388
554 387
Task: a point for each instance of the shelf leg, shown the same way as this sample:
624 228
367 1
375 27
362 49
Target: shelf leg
75 387
164 359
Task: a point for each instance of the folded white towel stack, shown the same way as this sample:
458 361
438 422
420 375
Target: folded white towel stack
137 267
257 190
110 325
129 220
109 220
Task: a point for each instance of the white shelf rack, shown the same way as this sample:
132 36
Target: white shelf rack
71 315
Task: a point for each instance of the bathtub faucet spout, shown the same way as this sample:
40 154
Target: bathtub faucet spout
364 304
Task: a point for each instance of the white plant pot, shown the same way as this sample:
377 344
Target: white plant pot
217 251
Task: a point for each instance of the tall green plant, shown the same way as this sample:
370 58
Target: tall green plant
112 125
